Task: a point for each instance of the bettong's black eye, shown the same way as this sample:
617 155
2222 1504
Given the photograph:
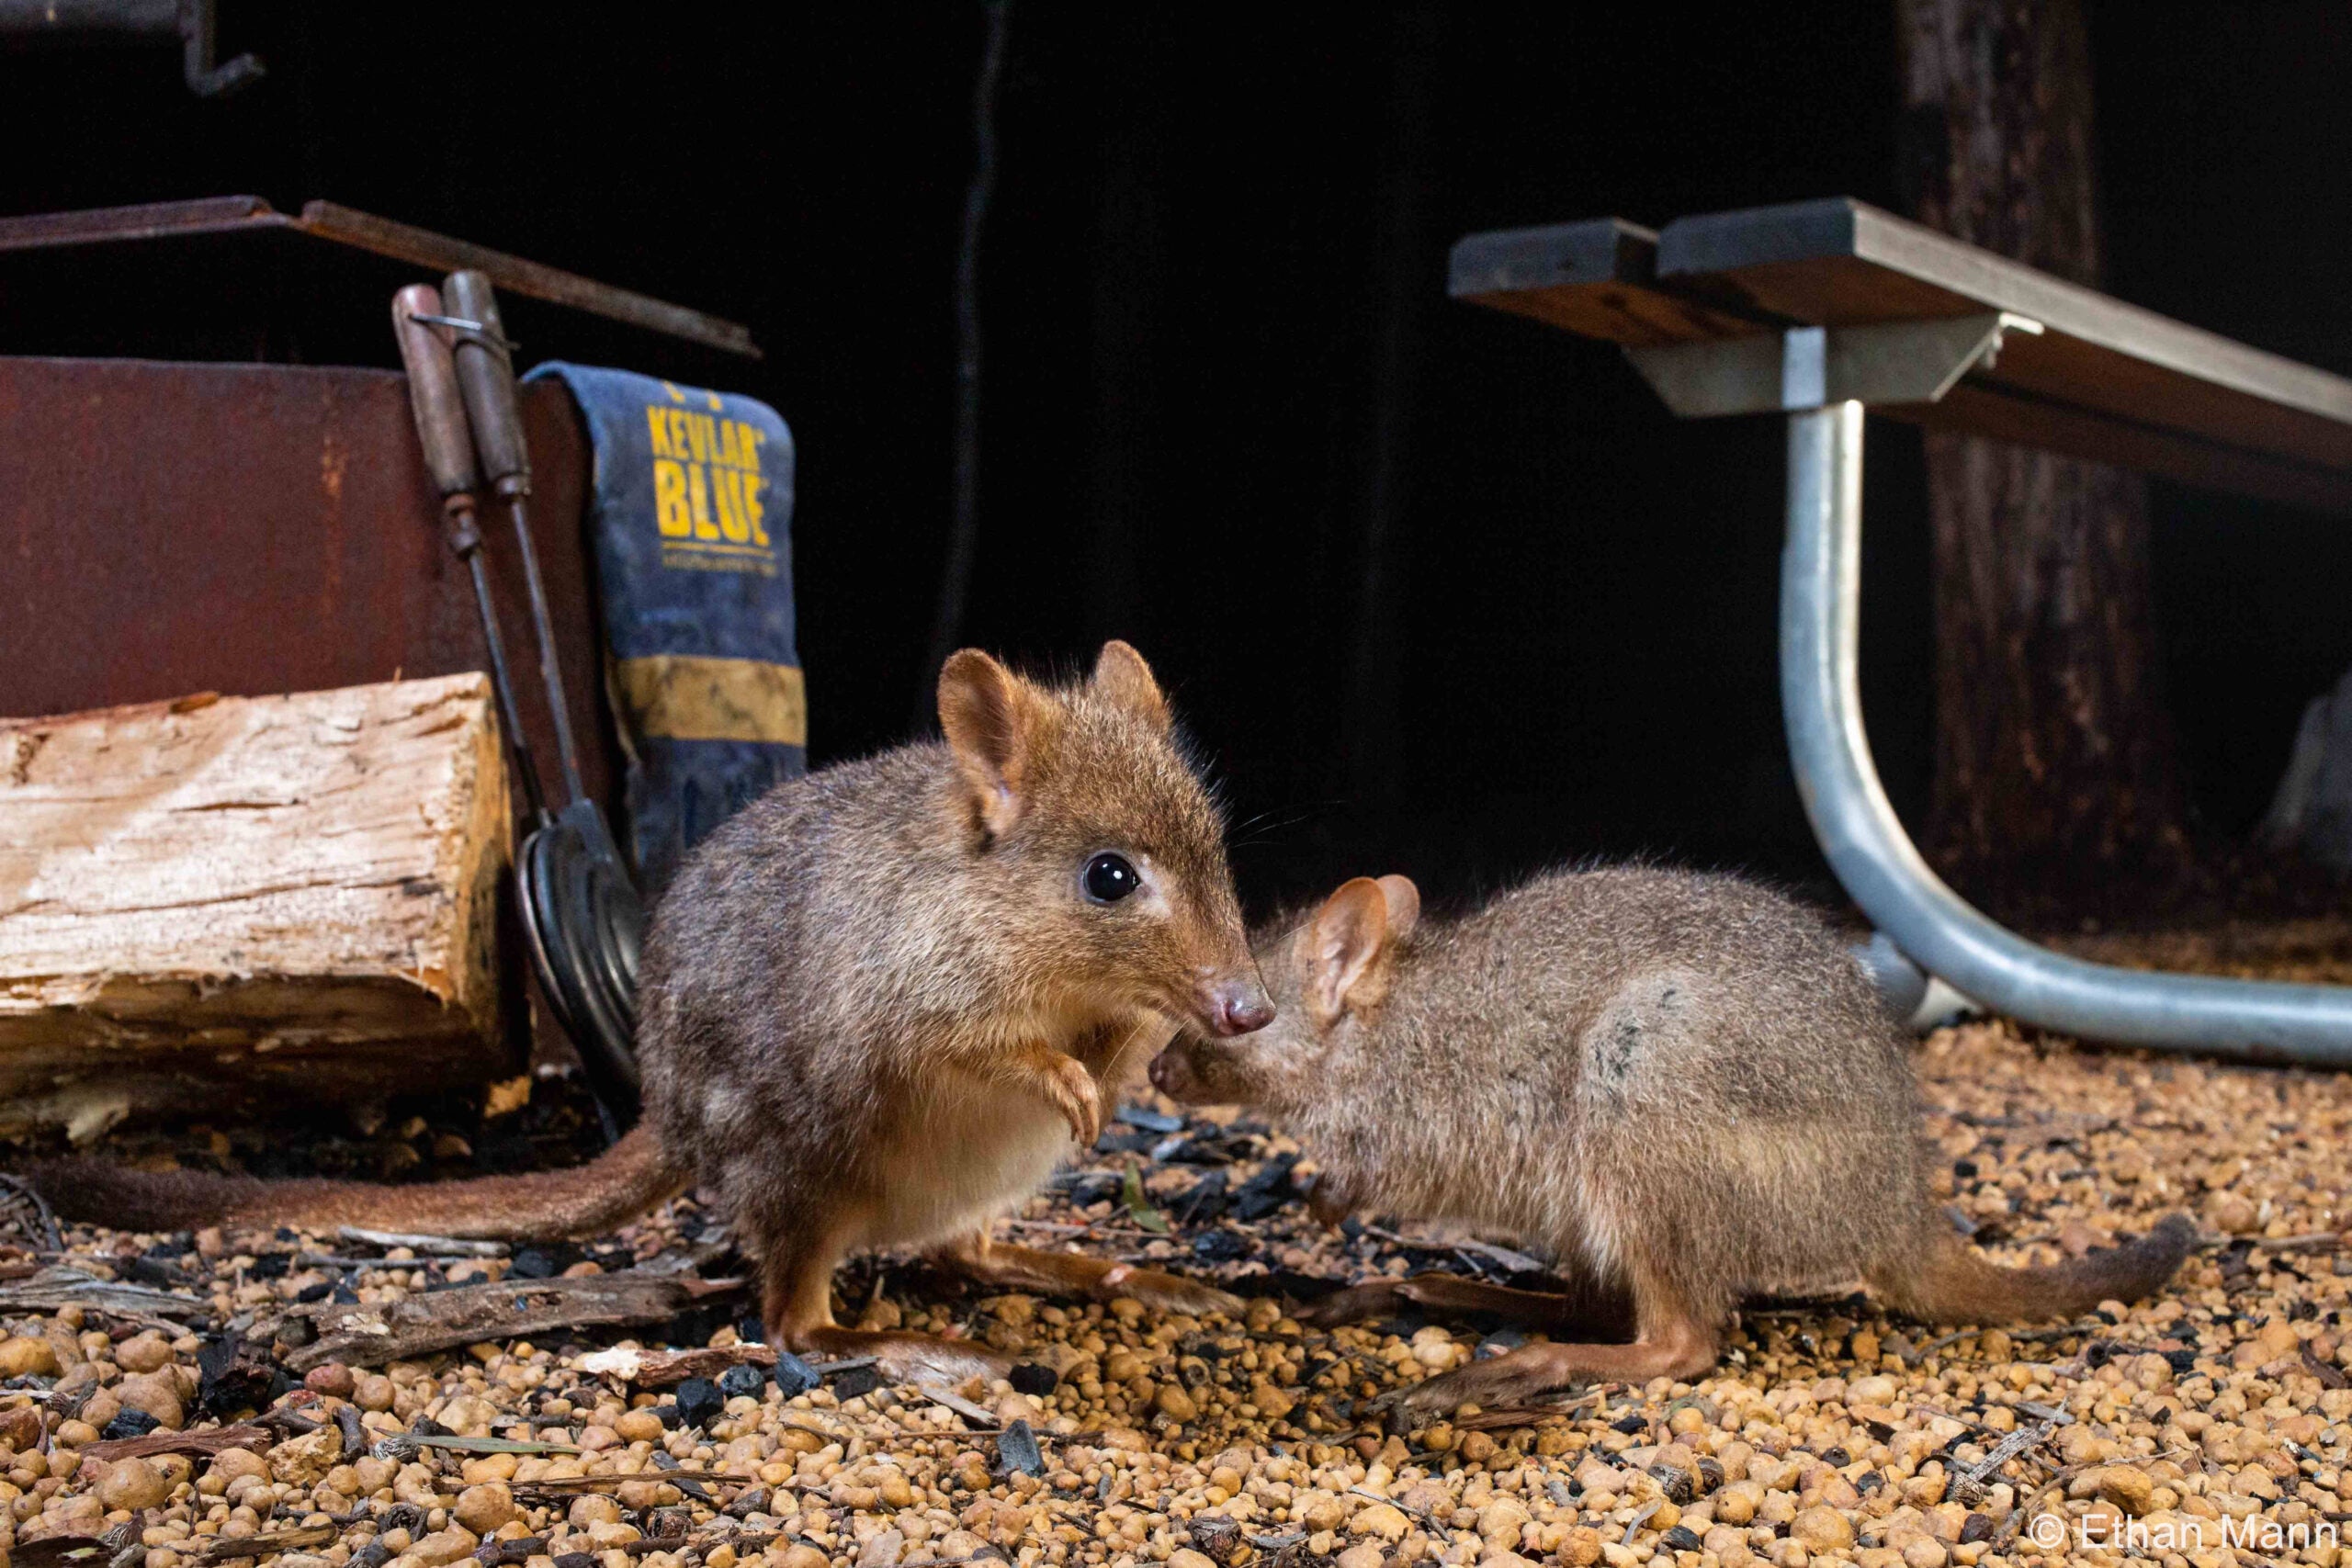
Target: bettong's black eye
1109 878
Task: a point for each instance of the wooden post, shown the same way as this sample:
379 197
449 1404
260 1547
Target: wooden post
2054 765
223 899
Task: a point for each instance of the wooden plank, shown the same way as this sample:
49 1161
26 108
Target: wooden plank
1841 262
221 899
1980 409
1597 279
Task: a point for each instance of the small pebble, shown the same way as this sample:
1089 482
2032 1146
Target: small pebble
640 1425
484 1508
133 1483
21 1356
333 1380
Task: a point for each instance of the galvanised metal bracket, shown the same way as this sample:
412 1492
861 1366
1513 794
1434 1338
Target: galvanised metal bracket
1810 367
1821 378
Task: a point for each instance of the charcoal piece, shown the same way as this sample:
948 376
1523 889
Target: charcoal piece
1017 1451
129 1424
794 1375
1034 1379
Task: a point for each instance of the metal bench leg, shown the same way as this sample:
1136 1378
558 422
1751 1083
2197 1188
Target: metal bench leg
1866 846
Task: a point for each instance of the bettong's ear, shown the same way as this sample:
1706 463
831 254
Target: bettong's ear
1121 676
1347 947
990 717
1404 901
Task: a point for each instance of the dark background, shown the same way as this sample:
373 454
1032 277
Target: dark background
1438 589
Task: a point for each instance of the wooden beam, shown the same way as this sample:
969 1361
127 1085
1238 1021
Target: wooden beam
218 900
1598 279
2104 380
2135 387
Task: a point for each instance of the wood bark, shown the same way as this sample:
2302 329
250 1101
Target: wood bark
2054 754
225 898
372 1333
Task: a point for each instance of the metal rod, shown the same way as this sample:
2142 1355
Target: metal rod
566 755
1866 846
527 767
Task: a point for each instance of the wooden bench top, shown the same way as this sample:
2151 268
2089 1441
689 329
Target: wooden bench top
2104 380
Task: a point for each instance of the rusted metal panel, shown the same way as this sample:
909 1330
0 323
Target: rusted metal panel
250 529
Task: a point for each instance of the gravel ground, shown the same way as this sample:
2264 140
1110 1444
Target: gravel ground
2212 1421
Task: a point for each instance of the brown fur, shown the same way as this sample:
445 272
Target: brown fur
1680 1086
877 1007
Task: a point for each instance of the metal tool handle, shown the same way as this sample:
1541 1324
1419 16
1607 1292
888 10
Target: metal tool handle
439 408
433 394
486 376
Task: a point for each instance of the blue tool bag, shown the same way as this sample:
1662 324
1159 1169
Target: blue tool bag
691 514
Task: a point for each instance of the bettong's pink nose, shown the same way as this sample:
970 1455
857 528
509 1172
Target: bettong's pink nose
1238 1007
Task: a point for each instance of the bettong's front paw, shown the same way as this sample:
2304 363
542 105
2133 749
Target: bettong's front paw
1075 1094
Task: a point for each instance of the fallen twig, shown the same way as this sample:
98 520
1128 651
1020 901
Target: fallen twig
1968 1485
656 1368
751 1539
450 1245
2050 1413
1912 1356
981 1414
41 1221
404 1446
228 1548
609 1483
2062 1331
339 1260
60 1286
368 1335
1518 1262
1422 1514
208 1442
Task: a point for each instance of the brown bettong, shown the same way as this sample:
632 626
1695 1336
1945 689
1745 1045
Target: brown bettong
879 1006
1679 1086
